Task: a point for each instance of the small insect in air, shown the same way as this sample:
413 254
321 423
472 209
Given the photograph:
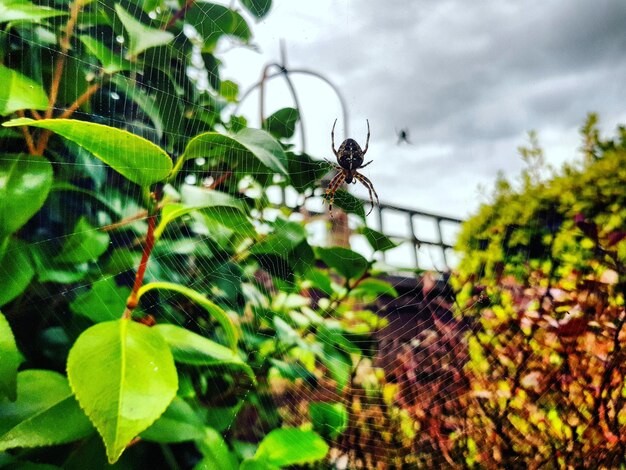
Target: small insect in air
350 159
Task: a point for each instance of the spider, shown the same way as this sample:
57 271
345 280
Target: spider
350 159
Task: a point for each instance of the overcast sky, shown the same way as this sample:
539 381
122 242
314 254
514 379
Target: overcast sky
467 79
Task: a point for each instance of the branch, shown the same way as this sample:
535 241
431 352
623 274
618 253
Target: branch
30 143
178 15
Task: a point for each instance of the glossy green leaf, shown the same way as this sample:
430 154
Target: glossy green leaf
282 124
329 419
249 150
291 446
44 414
10 360
105 301
19 92
213 21
258 8
124 377
23 10
217 455
136 158
85 244
191 348
111 61
346 262
212 309
141 37
16 271
179 423
25 182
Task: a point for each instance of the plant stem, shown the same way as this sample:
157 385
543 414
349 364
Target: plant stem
131 303
30 143
178 15
58 71
80 101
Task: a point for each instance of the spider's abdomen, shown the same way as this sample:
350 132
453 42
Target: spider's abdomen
350 155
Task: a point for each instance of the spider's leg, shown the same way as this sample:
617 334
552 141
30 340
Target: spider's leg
367 142
332 139
365 164
332 183
340 180
370 187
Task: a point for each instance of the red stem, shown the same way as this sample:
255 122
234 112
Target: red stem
131 304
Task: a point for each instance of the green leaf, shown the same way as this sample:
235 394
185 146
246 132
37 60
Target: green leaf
194 199
329 419
377 240
338 363
112 62
217 455
291 446
19 92
44 414
282 124
213 21
141 37
179 423
85 244
134 157
334 337
249 150
346 262
191 348
372 288
25 182
213 310
349 203
22 10
294 370
258 8
105 301
286 236
304 172
16 271
252 464
229 90
10 360
124 377
232 219
145 101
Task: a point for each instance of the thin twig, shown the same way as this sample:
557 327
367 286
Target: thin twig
82 99
178 15
30 143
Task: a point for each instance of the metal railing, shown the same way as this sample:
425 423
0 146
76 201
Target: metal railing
410 215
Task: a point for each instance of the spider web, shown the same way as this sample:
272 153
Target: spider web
414 342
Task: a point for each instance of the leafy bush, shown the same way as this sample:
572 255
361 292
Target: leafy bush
149 292
544 277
